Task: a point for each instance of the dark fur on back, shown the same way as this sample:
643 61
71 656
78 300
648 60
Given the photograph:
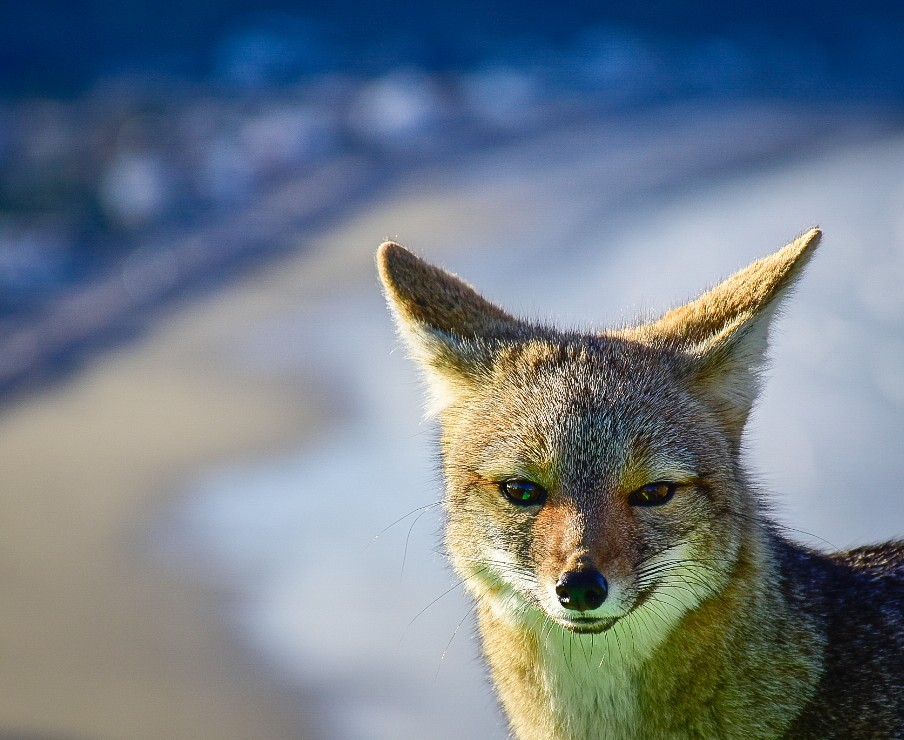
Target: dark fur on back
857 599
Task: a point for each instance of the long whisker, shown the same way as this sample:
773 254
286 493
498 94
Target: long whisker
503 566
449 644
460 583
385 529
424 510
772 525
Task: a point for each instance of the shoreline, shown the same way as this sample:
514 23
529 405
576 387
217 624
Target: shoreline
108 644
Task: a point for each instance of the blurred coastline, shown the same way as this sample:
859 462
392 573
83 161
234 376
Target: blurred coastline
200 418
157 161
113 206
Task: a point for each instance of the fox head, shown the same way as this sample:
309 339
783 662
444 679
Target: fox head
595 478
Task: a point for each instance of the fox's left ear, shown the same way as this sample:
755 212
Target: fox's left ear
724 332
451 331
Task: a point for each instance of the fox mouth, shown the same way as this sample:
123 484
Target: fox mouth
591 625
587 625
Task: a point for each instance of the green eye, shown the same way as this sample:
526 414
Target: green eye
652 494
523 492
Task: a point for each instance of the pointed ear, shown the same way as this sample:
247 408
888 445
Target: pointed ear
449 329
724 332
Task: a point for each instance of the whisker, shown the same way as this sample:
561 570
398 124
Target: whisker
385 529
448 644
425 509
460 583
771 525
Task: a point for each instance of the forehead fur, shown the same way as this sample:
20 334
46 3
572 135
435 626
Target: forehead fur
604 353
603 401
585 370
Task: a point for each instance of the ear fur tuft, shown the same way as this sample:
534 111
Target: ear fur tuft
724 332
449 329
435 298
746 294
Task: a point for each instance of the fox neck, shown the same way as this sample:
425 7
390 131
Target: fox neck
743 661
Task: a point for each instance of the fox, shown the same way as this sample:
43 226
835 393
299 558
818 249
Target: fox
628 578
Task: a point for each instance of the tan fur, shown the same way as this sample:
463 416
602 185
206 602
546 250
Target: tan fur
714 625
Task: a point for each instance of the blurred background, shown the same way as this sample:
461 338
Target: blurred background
218 498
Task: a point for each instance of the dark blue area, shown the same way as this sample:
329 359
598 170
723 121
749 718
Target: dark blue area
60 47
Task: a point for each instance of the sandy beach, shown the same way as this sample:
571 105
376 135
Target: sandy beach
99 642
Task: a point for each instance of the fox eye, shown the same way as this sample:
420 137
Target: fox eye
523 492
652 494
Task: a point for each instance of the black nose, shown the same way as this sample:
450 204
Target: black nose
582 590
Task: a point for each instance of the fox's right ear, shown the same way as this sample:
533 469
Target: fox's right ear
451 331
723 333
